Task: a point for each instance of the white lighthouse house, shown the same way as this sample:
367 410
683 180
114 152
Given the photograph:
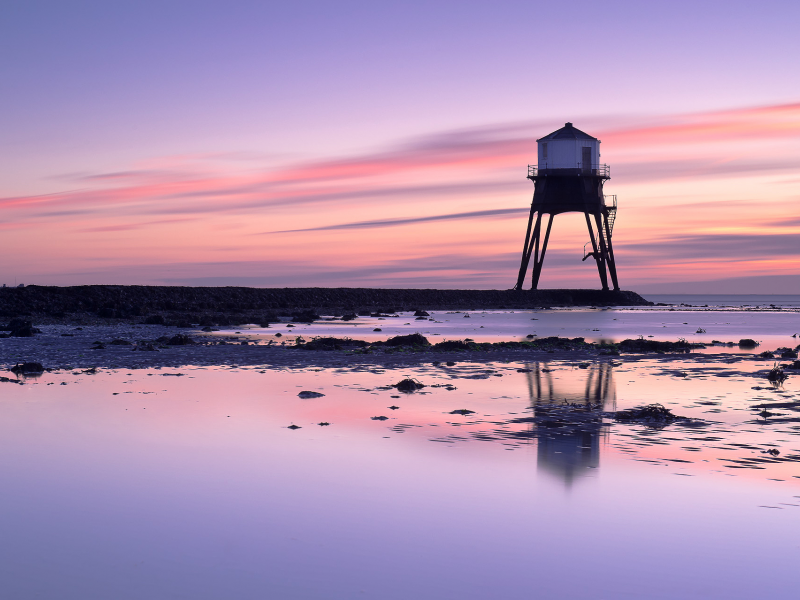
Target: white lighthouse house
569 148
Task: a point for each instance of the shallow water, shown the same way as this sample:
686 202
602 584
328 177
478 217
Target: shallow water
772 328
188 483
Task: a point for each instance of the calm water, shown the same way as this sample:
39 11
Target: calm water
708 318
188 483
146 485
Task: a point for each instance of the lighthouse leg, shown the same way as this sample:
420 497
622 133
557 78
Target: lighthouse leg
537 232
526 255
601 266
603 241
612 265
537 266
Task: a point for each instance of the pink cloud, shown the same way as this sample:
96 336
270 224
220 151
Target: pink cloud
450 183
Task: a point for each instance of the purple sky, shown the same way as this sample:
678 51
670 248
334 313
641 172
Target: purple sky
93 88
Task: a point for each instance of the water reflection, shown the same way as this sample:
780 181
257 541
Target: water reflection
569 410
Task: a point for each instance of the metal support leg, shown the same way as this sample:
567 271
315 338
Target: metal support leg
612 265
537 266
601 267
537 231
523 267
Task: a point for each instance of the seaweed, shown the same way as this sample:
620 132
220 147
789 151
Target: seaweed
776 374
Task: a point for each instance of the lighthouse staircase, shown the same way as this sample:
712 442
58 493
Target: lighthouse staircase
611 211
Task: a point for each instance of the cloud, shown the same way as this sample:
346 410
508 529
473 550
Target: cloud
499 212
449 177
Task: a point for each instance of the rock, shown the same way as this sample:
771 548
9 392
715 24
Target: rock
20 328
421 313
747 343
332 343
381 418
120 342
293 426
180 340
414 339
305 316
652 415
305 394
408 385
28 368
462 411
154 320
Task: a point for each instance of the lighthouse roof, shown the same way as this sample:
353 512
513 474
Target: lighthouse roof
568 132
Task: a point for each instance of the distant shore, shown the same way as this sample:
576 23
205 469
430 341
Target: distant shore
176 304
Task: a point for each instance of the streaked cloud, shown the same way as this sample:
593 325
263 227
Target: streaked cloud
468 180
476 214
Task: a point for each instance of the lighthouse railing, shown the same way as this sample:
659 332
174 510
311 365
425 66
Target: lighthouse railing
597 170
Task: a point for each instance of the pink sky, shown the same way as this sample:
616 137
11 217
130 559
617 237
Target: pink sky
278 145
702 196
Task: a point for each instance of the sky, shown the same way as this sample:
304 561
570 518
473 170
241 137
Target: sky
386 145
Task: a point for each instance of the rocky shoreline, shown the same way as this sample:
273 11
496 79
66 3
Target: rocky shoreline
175 305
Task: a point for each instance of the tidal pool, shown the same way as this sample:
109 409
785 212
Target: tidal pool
190 483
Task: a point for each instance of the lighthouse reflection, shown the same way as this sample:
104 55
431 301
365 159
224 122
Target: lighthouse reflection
568 420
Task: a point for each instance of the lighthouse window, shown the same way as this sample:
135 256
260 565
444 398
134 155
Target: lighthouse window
544 150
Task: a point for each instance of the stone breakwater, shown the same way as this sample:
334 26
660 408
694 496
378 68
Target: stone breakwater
218 304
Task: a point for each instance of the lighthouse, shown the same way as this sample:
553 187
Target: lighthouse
569 178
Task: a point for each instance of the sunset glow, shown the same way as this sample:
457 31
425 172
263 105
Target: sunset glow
705 193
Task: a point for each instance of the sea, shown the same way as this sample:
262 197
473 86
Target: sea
493 479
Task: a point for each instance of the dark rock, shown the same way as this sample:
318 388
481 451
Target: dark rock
462 411
642 345
305 395
180 340
413 339
747 343
421 313
293 426
408 385
652 415
454 345
20 328
28 368
154 320
305 316
120 342
381 418
332 343
349 317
